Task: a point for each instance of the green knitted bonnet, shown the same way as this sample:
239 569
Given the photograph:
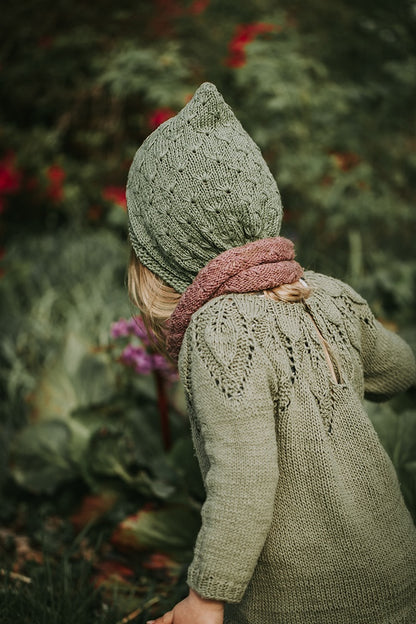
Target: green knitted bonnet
198 185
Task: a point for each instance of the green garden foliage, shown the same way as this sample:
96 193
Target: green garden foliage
97 471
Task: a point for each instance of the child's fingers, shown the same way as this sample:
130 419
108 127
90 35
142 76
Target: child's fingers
167 618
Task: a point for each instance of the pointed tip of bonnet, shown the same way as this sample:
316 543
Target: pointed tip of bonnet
207 90
207 105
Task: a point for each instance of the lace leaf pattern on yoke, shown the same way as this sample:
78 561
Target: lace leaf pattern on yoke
240 339
225 346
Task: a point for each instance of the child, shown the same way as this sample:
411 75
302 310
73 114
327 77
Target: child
304 521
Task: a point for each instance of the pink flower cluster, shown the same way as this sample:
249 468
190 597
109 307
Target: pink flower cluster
140 356
144 362
130 327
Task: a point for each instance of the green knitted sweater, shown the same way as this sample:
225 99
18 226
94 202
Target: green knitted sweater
304 521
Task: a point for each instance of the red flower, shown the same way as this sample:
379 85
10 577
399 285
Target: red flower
198 6
9 177
116 194
237 59
245 33
56 175
158 116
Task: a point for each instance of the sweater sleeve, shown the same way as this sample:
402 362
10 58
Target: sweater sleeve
388 361
227 382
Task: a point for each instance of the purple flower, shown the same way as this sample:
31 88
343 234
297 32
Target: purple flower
137 328
141 357
120 328
161 364
130 327
137 358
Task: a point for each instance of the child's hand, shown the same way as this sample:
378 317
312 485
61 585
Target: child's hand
193 610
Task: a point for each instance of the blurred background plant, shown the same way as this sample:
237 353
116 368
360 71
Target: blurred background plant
100 490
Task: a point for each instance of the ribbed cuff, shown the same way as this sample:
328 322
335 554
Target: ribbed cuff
209 586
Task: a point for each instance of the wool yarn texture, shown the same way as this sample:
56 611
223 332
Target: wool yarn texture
198 186
304 521
263 264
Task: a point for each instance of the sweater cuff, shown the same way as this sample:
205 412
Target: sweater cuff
209 586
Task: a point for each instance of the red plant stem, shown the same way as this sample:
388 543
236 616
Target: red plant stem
162 403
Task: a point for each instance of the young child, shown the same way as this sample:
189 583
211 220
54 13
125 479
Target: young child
304 521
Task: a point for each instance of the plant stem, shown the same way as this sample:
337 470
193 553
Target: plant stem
162 403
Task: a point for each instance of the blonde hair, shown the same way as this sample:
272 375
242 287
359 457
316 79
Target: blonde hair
157 301
291 293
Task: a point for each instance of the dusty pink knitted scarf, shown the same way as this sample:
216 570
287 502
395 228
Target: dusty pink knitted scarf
256 266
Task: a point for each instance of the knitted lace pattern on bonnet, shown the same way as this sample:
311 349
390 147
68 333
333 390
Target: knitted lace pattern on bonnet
198 186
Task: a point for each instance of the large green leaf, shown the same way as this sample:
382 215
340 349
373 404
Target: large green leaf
113 452
75 378
41 457
171 529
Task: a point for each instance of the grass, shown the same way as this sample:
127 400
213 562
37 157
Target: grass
52 572
54 595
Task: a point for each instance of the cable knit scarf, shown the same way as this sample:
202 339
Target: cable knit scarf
256 266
